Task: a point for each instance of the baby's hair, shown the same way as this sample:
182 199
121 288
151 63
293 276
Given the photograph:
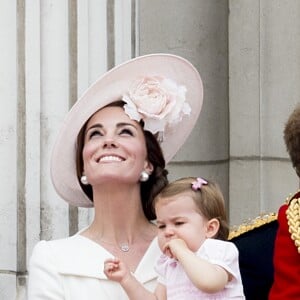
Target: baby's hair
209 200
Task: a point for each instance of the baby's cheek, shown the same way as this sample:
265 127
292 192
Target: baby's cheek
161 242
195 244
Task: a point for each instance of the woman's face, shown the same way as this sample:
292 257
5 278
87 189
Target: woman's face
178 217
114 148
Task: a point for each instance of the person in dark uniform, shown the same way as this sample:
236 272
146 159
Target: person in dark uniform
269 245
255 242
287 244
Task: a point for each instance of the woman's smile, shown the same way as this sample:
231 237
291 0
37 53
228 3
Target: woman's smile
110 158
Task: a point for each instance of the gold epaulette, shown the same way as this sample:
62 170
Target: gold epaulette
293 219
252 224
292 196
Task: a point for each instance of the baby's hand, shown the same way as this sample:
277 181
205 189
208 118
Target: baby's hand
173 247
114 269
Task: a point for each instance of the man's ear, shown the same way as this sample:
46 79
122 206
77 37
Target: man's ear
212 227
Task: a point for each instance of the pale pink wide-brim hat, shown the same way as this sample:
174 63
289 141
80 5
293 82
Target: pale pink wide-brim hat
109 88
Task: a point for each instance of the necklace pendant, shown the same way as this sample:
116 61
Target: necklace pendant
124 247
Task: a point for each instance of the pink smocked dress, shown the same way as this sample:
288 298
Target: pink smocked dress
179 286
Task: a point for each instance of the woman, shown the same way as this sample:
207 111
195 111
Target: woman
111 154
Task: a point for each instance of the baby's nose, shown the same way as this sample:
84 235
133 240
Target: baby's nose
169 231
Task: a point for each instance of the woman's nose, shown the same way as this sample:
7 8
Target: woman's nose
110 142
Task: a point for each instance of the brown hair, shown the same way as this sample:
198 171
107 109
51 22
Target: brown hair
292 138
150 188
209 200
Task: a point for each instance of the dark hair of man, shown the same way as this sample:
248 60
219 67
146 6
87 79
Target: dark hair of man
292 138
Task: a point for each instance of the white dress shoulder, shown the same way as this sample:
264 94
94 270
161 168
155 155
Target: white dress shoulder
72 269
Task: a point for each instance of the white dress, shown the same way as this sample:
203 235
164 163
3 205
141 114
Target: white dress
72 269
180 287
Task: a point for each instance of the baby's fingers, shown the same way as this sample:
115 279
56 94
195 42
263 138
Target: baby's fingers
167 251
111 265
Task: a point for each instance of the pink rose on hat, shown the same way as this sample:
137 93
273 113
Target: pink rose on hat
158 101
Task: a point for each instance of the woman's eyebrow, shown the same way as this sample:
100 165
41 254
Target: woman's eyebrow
121 124
97 125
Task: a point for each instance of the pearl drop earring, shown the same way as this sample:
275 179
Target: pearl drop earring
144 176
84 180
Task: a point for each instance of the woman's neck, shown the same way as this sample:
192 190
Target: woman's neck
119 215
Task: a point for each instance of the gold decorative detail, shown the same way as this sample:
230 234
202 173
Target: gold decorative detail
293 217
288 199
251 224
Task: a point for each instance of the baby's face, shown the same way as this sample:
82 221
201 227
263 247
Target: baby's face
178 217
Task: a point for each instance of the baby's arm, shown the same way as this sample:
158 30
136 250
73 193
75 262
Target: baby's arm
207 277
116 270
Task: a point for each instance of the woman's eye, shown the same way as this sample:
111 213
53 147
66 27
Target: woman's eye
126 131
94 133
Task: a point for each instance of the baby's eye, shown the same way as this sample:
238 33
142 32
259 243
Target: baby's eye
161 226
179 223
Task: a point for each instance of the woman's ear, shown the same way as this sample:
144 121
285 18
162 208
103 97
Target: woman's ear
212 228
148 167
